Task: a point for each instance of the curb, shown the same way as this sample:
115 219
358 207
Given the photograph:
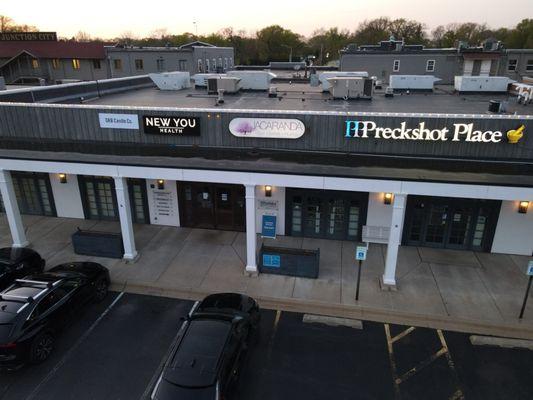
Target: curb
508 329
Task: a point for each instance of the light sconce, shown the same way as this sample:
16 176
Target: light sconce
161 184
387 198
62 178
523 206
268 191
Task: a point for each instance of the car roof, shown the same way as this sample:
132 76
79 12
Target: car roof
196 360
13 254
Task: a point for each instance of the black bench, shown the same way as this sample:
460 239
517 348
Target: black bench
99 244
287 261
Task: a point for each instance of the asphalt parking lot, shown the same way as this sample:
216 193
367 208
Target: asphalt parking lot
115 349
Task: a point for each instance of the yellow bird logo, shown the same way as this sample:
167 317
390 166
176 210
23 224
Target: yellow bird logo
514 135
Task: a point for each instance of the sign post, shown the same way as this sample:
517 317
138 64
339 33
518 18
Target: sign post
529 272
360 255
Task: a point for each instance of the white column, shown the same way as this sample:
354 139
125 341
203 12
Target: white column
126 224
398 213
251 238
12 210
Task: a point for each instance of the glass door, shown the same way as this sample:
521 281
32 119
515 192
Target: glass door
436 225
138 201
459 228
224 207
99 198
204 207
336 219
34 194
313 217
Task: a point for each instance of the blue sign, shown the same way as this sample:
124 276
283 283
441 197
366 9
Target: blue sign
271 260
360 253
269 226
530 268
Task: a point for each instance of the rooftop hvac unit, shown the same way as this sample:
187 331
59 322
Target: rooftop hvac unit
412 82
351 87
171 80
492 84
224 83
200 80
324 76
253 80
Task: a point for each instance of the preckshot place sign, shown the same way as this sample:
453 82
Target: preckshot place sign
171 125
457 132
273 128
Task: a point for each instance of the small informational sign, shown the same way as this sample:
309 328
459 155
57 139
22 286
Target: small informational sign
119 121
168 125
360 253
530 268
268 205
269 226
271 260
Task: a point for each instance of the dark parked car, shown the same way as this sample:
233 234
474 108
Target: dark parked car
18 262
205 363
34 310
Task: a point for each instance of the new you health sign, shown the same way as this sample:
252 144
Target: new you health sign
274 128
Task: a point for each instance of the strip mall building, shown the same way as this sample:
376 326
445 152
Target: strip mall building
432 170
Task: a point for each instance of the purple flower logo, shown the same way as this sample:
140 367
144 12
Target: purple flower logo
244 127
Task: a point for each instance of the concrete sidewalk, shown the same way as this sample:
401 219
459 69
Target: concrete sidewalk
454 290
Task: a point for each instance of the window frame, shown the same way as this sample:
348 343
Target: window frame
529 64
117 64
512 62
160 64
76 64
34 63
432 65
56 63
396 66
200 66
139 64
97 64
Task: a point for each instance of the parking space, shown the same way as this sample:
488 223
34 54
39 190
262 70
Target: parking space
114 350
110 353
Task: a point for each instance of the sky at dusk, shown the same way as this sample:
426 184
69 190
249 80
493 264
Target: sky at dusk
110 18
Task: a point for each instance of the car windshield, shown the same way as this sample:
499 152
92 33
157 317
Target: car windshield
197 358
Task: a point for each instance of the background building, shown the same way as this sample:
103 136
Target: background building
50 61
393 57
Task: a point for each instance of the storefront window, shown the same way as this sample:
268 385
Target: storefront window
353 220
297 214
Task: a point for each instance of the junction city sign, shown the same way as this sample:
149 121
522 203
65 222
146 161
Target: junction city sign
459 132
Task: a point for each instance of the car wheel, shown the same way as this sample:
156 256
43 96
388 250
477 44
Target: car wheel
41 348
101 288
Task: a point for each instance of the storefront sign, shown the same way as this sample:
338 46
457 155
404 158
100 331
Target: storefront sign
267 128
457 133
28 37
271 260
269 226
119 121
164 125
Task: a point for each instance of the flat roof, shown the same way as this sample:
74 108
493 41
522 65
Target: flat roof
303 97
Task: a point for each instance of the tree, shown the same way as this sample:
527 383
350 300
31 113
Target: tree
373 31
521 37
8 25
276 43
326 44
451 34
82 36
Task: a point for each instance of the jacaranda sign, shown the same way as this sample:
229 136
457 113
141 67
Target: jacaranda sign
274 128
458 132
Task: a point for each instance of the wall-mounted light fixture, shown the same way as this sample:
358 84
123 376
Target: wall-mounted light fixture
268 191
161 184
387 198
523 206
62 178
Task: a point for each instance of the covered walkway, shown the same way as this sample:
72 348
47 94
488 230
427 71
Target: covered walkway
455 290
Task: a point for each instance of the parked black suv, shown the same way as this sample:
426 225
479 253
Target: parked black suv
206 360
35 309
18 262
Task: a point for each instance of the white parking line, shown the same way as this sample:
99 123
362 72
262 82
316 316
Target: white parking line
33 394
156 378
